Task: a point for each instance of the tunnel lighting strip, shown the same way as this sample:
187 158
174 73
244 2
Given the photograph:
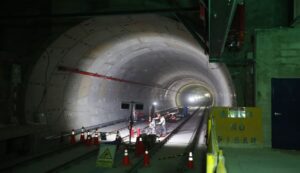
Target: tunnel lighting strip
77 71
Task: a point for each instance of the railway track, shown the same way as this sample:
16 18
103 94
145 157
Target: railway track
190 124
88 154
94 152
156 150
164 151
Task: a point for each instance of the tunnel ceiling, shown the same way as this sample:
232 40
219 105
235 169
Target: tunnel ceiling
156 52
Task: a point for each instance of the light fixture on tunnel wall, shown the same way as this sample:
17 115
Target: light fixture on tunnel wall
152 110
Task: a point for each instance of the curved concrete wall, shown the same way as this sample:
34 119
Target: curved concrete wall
153 50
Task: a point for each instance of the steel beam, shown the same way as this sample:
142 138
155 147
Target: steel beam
102 13
221 14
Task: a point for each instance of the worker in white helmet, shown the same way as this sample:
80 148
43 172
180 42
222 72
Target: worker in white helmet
152 127
162 123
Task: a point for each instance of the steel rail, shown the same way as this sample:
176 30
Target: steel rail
192 144
154 150
93 152
83 156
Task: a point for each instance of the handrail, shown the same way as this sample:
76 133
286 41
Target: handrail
215 161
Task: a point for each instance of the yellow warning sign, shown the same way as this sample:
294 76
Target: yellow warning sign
241 125
106 156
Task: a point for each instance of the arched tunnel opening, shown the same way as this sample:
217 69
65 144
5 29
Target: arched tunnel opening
84 76
194 96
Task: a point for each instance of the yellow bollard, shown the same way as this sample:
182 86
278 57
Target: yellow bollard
210 163
221 164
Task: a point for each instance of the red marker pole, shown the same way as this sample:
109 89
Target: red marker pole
73 139
146 159
126 160
190 164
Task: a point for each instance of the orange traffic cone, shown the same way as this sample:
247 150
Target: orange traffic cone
190 161
146 158
72 139
126 160
82 139
96 139
140 148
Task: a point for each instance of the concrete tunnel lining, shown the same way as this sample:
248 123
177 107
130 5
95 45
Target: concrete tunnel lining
149 49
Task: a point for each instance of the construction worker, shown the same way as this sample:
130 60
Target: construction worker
185 111
152 127
162 123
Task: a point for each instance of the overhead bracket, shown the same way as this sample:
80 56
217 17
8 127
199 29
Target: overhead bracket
221 14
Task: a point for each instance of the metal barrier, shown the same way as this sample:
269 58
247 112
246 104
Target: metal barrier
215 161
234 127
172 109
91 128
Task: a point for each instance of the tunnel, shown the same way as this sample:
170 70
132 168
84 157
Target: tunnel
139 86
85 75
